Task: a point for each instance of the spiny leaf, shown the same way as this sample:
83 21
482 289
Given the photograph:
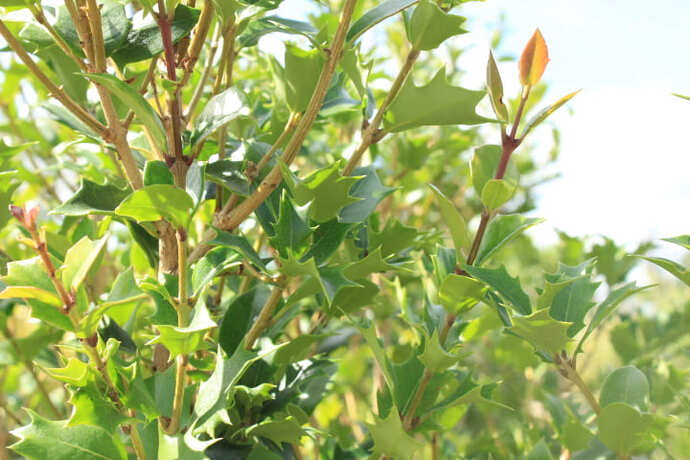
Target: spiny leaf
509 288
542 331
302 70
437 103
43 439
430 26
375 15
92 198
390 438
435 357
533 61
185 340
459 294
500 231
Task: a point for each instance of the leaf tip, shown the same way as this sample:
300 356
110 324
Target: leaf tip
534 58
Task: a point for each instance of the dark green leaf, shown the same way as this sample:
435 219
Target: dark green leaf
291 231
430 26
114 23
371 192
375 15
270 24
240 245
145 42
509 288
215 262
500 231
218 112
92 198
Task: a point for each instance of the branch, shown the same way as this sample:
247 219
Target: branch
55 91
264 317
568 370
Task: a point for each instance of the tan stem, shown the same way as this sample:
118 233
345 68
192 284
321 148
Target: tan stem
55 91
264 317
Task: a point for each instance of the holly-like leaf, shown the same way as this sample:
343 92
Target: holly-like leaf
157 202
500 231
79 260
75 373
327 239
279 431
533 61
220 110
375 15
372 263
239 244
437 103
573 302
92 198
394 238
509 288
626 385
537 119
215 262
369 190
435 357
540 452
670 266
391 439
302 70
326 189
430 26
91 408
291 231
135 101
456 224
145 41
459 294
186 340
43 439
542 331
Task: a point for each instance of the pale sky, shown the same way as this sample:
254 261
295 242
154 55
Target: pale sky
623 163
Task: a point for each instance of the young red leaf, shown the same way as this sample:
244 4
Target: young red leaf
533 60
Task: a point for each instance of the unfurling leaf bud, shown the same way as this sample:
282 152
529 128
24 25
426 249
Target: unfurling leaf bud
17 212
495 87
533 60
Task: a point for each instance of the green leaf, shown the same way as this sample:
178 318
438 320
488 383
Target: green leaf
456 224
350 63
391 439
542 331
43 439
500 231
291 231
369 190
625 385
670 266
459 294
375 15
75 373
623 429
372 263
67 72
90 408
79 260
271 24
145 42
484 164
496 193
545 113
157 172
114 23
393 238
435 357
235 322
540 452
681 240
30 292
136 102
608 306
92 198
430 26
326 189
494 86
64 116
573 302
302 70
368 331
239 244
226 8
509 288
220 110
157 202
215 262
7 188
437 103
186 340
327 239
279 431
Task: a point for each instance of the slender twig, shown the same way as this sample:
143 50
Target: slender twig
264 317
55 91
371 133
148 78
568 370
182 308
273 179
290 126
199 90
200 34
39 14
